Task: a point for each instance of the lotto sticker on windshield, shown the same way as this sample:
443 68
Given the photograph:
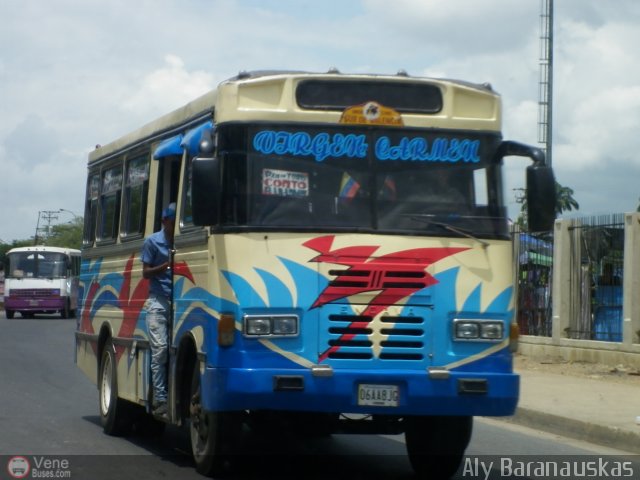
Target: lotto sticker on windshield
285 183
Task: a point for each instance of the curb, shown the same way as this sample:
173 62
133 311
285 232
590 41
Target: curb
611 437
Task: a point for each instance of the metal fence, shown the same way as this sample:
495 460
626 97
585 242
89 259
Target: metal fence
596 272
533 258
597 260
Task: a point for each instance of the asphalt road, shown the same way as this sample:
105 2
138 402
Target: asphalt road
48 415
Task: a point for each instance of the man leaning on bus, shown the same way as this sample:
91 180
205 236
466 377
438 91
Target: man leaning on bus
156 266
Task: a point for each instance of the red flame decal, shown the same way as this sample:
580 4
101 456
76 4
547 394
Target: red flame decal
394 276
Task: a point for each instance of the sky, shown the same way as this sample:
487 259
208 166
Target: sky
76 73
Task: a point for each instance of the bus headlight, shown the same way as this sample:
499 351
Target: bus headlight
467 330
492 330
271 325
285 325
478 330
258 326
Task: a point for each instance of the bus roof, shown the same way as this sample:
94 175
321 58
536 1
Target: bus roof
44 248
271 96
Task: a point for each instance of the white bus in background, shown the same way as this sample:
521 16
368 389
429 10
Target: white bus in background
41 279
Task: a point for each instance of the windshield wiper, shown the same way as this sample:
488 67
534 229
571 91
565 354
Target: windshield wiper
429 220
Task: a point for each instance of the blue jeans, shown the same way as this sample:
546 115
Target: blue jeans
157 308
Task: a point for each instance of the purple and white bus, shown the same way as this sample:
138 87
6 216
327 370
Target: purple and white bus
41 279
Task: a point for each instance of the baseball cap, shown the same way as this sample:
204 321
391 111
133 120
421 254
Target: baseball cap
170 211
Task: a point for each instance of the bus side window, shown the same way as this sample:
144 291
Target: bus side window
135 197
168 185
110 203
187 203
91 209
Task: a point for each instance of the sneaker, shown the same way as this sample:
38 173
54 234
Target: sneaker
160 409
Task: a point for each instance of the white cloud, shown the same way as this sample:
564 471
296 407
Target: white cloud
588 140
167 87
597 98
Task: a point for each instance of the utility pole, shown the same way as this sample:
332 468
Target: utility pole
545 87
545 94
47 216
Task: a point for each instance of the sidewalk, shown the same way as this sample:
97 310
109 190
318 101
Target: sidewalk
590 402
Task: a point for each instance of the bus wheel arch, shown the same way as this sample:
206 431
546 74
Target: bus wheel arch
185 361
105 334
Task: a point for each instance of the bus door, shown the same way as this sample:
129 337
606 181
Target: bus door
168 155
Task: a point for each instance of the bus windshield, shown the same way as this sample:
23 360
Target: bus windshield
349 192
37 265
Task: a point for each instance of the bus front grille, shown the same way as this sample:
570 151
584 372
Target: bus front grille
358 337
34 292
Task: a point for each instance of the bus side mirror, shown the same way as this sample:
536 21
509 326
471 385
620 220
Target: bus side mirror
541 185
205 189
541 198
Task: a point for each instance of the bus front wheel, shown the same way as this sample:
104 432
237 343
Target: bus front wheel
212 433
436 445
9 314
115 413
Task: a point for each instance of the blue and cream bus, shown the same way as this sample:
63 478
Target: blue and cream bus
342 255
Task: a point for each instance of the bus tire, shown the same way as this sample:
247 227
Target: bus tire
211 433
9 314
64 313
436 445
115 413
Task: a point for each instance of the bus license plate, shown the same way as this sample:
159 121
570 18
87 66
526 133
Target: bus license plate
378 395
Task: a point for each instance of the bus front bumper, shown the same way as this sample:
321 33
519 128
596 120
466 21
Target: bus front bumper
346 391
34 304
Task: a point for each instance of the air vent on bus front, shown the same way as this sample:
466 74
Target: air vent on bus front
378 279
359 337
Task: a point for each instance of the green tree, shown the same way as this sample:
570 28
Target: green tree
68 235
564 199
